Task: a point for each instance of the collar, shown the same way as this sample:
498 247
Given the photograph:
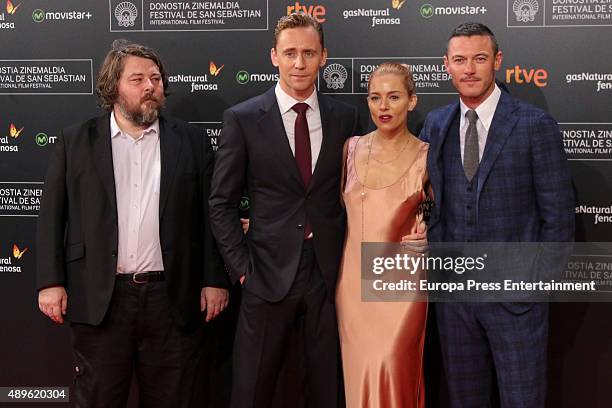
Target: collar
486 109
286 102
115 130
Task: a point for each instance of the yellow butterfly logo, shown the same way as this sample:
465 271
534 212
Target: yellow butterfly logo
397 4
214 71
14 132
17 253
10 8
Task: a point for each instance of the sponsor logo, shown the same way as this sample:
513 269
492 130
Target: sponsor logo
20 199
397 4
600 81
376 17
525 10
213 69
560 13
11 9
587 141
428 10
212 131
42 139
13 132
244 77
518 75
38 15
6 264
601 215
245 203
6 142
50 77
429 74
126 14
156 15
18 253
318 11
335 76
199 82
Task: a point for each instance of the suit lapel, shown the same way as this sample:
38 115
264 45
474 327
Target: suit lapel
328 129
170 148
501 126
272 127
436 173
101 145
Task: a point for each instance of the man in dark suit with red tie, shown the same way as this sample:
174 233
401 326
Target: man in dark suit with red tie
124 248
285 148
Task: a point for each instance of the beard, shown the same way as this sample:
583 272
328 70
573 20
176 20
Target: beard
145 112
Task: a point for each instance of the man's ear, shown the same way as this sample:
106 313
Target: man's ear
274 57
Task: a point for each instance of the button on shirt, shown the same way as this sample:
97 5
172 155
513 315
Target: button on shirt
485 112
313 117
137 169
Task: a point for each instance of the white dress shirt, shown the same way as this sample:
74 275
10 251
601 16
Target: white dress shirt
137 169
485 112
313 117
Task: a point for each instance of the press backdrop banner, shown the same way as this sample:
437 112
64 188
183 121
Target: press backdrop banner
556 56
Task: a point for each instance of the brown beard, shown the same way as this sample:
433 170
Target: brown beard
142 115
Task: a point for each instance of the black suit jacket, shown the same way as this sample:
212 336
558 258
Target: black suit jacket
254 152
77 225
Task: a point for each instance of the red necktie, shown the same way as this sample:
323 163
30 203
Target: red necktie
303 156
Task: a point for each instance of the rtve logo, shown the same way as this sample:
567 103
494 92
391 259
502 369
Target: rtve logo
539 77
316 10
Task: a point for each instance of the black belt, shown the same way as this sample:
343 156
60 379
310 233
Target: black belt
142 277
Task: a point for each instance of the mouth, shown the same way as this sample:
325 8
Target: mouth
470 80
385 118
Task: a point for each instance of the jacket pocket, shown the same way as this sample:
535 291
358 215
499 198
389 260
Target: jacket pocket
75 251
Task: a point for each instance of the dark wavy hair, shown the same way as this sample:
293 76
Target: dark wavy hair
112 67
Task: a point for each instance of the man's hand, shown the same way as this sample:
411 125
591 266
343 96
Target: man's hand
417 242
245 224
213 300
53 302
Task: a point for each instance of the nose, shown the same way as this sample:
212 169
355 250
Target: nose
384 104
299 61
470 67
148 84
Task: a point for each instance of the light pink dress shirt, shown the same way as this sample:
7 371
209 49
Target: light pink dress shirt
137 168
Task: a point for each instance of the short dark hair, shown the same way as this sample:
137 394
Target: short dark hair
470 29
110 72
295 20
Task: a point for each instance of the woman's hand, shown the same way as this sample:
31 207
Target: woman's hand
417 242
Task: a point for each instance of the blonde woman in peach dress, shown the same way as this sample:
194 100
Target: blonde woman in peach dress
384 186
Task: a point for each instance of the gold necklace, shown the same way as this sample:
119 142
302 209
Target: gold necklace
365 177
396 157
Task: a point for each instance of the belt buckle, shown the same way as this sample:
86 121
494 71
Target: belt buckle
135 279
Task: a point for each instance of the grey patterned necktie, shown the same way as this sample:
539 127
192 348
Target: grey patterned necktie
470 149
